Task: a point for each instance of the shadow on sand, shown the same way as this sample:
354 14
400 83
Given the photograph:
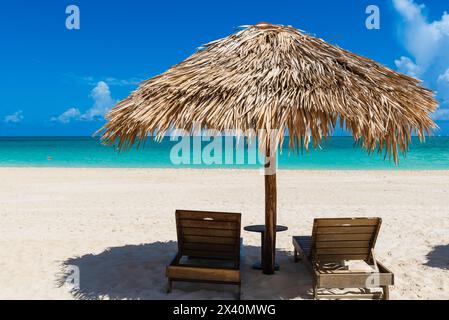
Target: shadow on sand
439 257
138 272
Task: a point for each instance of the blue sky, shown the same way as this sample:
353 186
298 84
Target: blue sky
57 81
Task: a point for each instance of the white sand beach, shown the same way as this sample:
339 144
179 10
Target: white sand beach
118 227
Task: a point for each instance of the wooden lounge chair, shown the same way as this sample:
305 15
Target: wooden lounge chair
337 242
208 248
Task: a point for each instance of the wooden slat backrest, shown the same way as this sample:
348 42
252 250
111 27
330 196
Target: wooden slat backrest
339 239
204 234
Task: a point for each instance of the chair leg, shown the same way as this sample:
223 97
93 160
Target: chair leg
169 286
386 295
239 292
315 292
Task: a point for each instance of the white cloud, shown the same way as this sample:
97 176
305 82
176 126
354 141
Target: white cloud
111 81
123 82
443 88
428 44
444 77
16 117
407 66
67 116
423 39
409 9
441 114
103 102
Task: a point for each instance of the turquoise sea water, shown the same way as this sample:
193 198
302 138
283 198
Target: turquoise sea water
338 153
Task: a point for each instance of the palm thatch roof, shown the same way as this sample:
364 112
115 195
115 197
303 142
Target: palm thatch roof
277 77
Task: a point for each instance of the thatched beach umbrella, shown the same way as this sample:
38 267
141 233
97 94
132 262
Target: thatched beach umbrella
274 77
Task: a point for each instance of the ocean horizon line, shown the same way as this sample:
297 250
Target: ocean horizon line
334 153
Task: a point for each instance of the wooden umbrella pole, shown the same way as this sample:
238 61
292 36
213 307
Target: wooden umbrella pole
268 259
